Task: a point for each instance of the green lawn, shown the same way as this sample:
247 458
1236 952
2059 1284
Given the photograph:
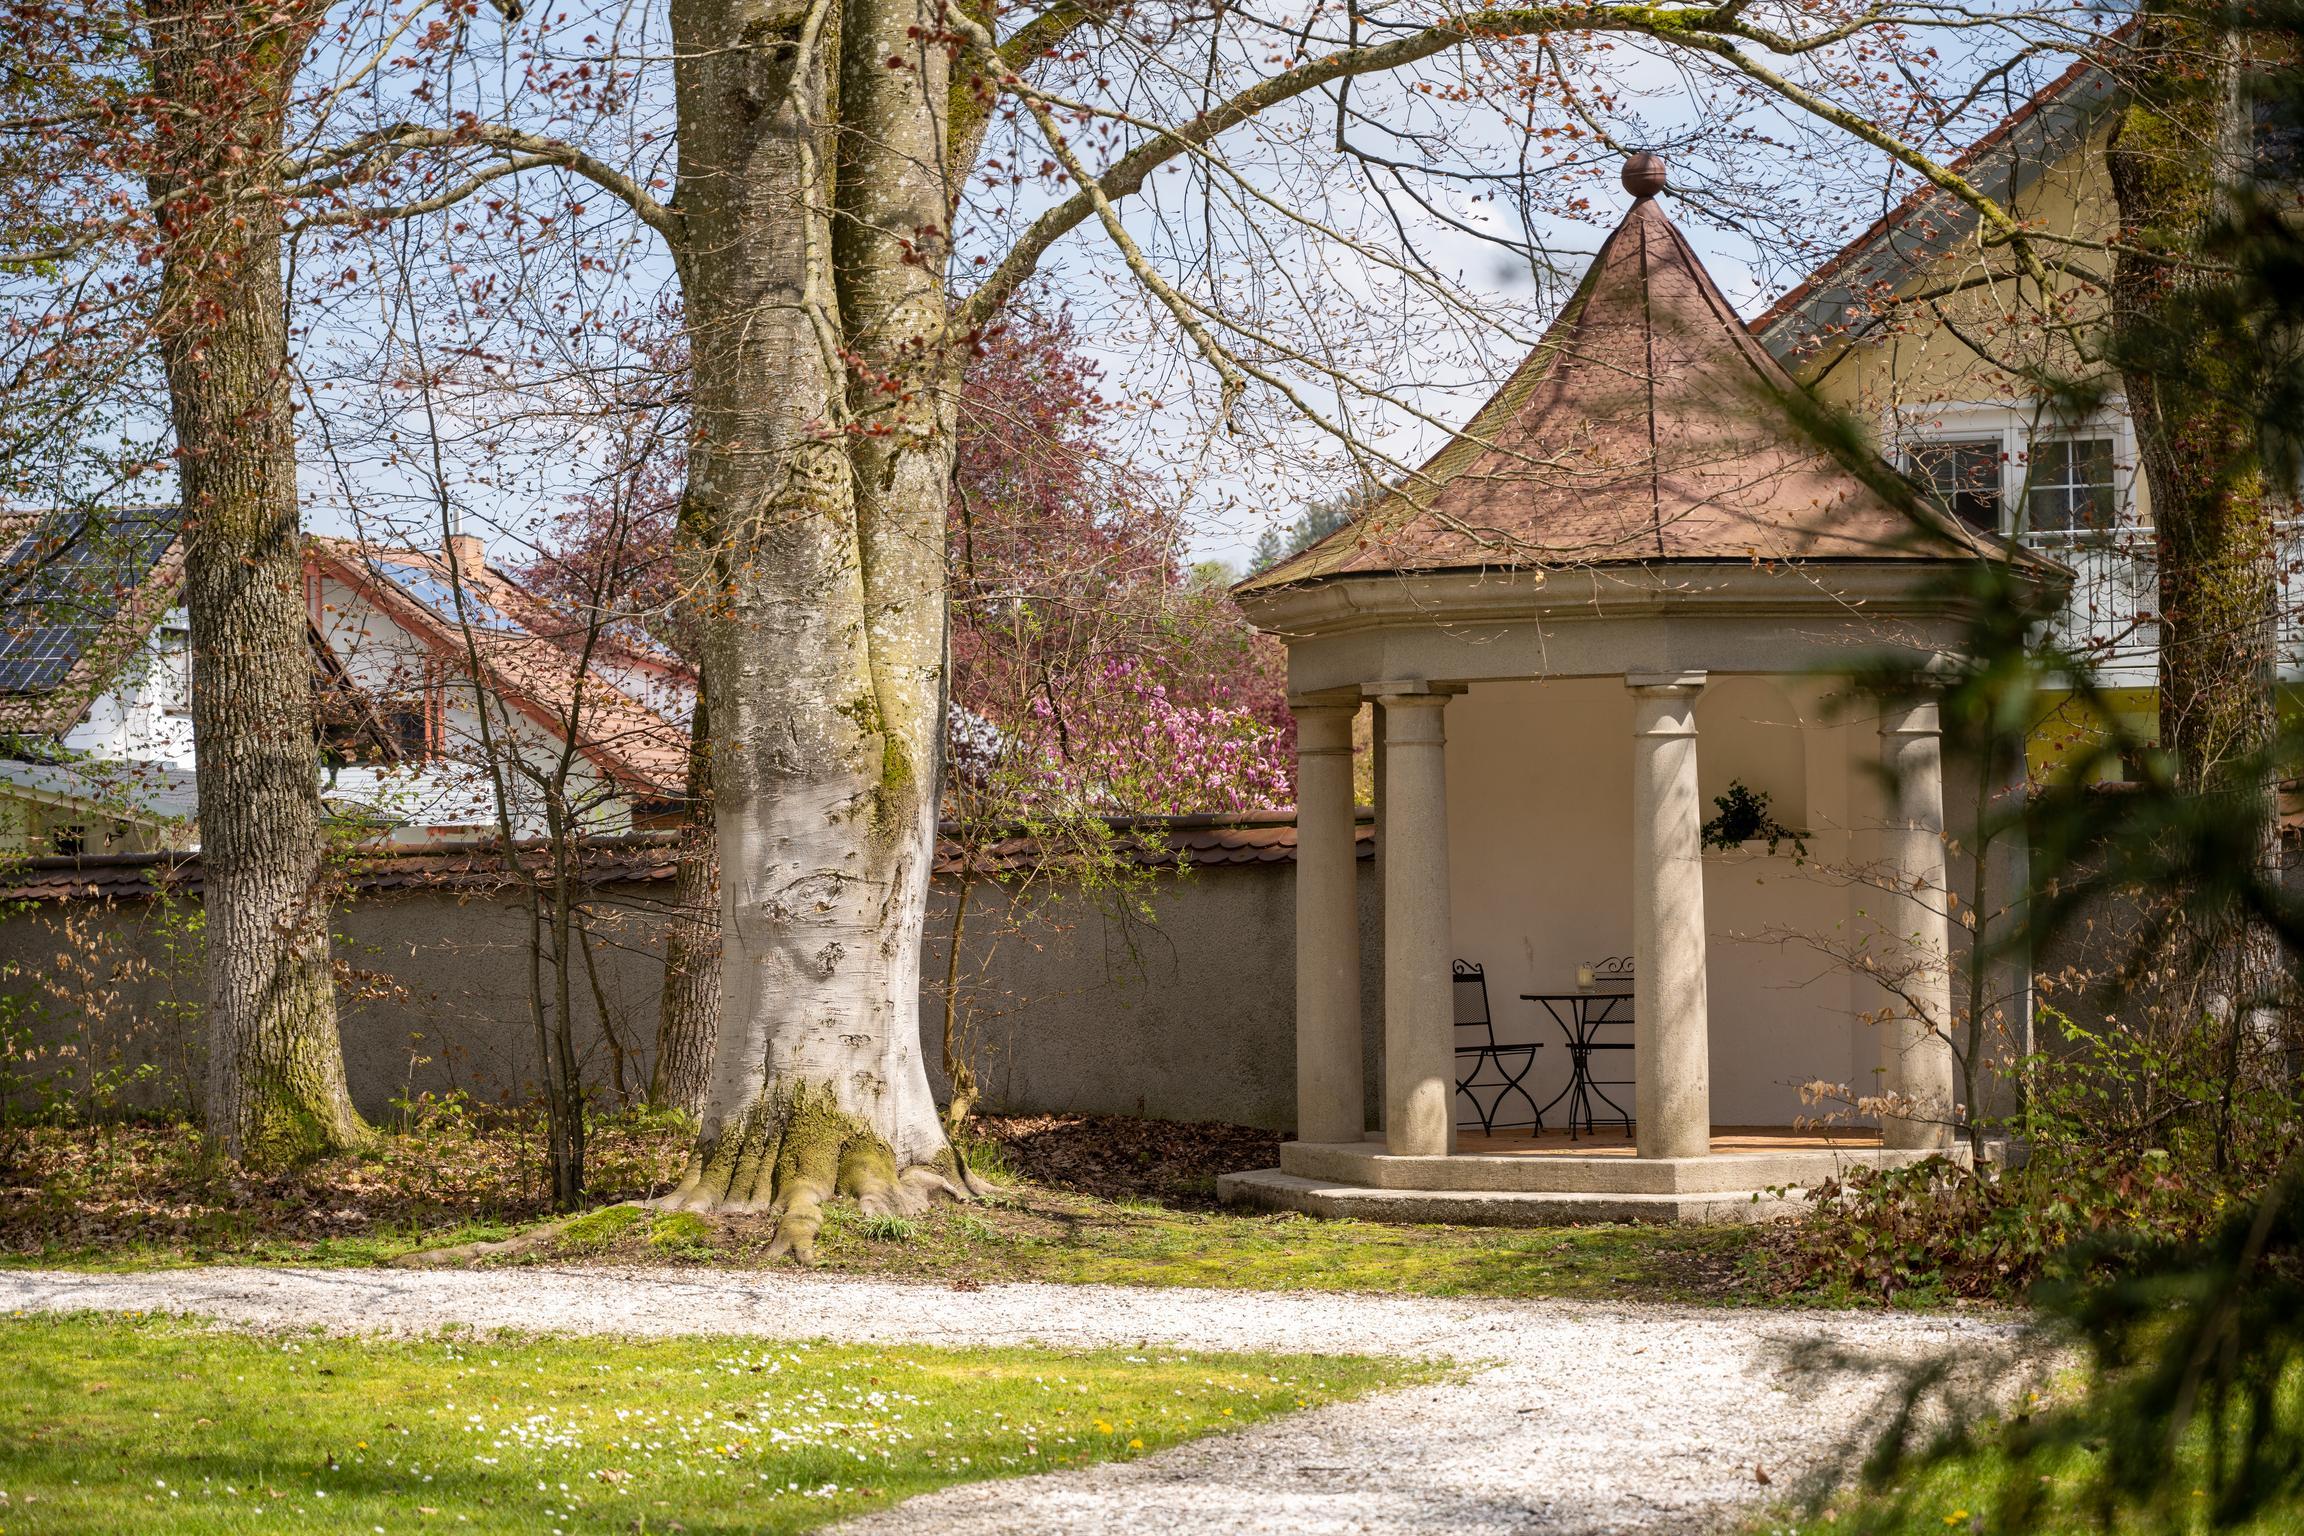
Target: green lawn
161 1426
1070 1239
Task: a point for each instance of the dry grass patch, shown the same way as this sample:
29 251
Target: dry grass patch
1090 1199
146 1193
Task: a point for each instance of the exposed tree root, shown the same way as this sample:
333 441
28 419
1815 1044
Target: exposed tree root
795 1150
786 1159
530 1241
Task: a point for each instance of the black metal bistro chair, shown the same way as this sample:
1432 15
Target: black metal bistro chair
1479 1052
1598 1018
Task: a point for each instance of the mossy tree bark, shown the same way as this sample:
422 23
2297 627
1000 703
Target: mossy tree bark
2191 358
221 76
813 205
2188 366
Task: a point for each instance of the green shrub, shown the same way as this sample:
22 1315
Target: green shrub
2133 1127
1940 1229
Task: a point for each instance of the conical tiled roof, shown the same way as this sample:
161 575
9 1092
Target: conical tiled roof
1647 426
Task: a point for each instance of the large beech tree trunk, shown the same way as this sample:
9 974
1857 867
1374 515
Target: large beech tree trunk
813 205
221 76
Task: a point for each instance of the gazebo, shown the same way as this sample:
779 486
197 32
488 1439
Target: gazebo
1631 584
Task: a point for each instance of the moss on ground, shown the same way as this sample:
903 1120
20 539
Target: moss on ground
680 1235
597 1230
1046 1236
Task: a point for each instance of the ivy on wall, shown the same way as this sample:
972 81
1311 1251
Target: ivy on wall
1744 817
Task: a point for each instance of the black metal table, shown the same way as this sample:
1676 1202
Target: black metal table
1581 1016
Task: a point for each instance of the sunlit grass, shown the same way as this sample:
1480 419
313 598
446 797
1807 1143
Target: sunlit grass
157 1425
1081 1241
1983 1491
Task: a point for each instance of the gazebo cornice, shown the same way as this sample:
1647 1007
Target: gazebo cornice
1857 593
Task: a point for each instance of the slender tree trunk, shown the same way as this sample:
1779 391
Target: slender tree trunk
2190 361
564 1080
813 205
959 1070
2192 396
619 1056
688 1027
221 76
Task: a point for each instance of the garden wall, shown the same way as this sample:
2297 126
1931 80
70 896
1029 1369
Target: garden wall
1181 1011
1175 1002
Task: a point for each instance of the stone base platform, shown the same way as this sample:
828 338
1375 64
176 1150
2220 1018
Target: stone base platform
1542 1181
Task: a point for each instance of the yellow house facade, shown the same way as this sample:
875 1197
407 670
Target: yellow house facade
1923 333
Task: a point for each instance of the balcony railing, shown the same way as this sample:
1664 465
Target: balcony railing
2113 616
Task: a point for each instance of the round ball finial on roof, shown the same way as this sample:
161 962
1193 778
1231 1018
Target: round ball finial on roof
1644 174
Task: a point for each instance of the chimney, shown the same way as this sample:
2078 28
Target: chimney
467 553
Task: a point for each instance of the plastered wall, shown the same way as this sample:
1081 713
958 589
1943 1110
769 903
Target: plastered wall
1540 839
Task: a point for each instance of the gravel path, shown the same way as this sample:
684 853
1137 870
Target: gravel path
1575 1417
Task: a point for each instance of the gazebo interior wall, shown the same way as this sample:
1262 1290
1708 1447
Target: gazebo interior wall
1540 839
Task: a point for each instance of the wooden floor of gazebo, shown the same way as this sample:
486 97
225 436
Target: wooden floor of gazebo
1610 1141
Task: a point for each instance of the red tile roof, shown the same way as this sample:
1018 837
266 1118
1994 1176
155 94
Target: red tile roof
1646 426
534 661
536 668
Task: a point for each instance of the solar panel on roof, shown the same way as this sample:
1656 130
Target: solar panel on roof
432 590
67 579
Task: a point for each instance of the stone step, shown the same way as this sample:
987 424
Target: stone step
1367 1164
1271 1189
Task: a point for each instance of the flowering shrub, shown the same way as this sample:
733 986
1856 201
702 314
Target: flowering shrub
1147 753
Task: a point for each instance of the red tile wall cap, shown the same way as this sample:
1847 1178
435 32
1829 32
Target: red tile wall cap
641 858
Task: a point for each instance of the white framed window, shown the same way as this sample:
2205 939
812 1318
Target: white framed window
2073 485
2006 469
1965 473
173 641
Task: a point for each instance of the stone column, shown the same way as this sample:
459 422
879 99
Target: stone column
2008 862
1376 872
1419 1008
1671 1023
1329 1102
1915 1051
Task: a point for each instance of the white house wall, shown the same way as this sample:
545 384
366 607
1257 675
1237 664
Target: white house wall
375 652
669 696
146 716
1540 838
453 795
